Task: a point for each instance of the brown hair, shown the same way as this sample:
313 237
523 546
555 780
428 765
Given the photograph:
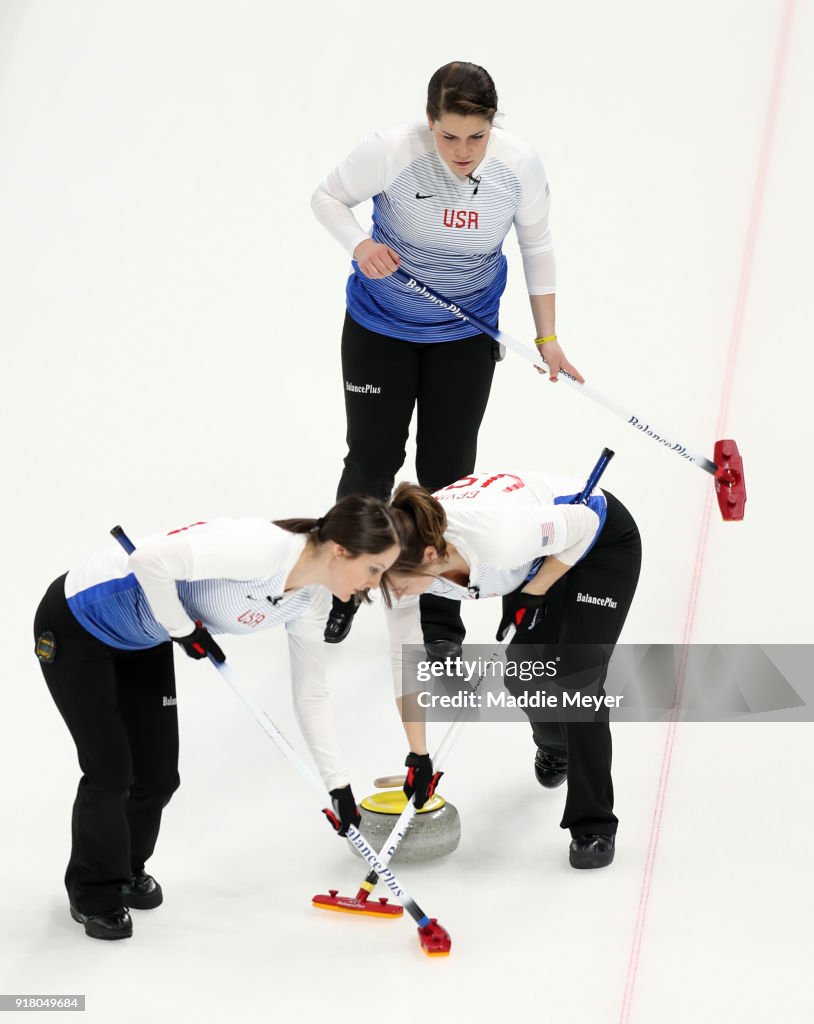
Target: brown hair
360 523
461 88
422 524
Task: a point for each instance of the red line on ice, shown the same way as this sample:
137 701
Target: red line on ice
741 301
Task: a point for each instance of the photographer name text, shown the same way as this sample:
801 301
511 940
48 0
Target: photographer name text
533 699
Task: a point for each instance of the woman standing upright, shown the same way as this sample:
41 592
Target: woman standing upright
446 192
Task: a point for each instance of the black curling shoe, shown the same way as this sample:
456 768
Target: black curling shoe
115 924
142 893
440 650
550 769
340 620
592 851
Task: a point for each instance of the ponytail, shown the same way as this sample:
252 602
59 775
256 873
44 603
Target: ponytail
423 522
299 525
360 523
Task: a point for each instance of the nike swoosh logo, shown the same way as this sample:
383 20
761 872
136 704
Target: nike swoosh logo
419 196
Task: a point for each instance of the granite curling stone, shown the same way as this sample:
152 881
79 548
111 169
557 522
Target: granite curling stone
434 832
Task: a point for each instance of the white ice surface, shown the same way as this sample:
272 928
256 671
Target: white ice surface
169 318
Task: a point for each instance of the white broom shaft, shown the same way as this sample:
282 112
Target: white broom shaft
642 425
286 749
454 731
270 729
447 743
596 396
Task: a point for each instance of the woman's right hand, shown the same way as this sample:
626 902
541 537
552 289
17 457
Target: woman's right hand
375 259
345 812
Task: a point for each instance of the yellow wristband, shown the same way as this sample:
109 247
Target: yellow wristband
542 341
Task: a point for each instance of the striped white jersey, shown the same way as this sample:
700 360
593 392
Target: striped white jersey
504 525
228 574
448 230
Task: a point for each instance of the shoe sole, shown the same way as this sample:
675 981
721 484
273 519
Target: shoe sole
584 863
551 785
134 902
104 935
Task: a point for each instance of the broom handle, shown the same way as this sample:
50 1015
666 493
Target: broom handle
288 751
399 830
639 423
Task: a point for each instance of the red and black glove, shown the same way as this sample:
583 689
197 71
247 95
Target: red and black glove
199 643
421 780
523 611
345 812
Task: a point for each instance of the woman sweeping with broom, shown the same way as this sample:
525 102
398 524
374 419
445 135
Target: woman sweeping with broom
104 634
566 564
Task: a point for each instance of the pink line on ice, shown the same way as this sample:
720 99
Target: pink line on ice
741 302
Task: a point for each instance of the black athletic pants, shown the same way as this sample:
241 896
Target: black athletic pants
119 707
582 635
385 379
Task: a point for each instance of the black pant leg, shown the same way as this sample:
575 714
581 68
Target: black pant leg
441 619
146 684
380 379
453 391
582 635
82 682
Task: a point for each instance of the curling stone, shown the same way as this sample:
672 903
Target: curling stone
434 832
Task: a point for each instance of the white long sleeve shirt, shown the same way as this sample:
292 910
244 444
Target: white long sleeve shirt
228 574
448 230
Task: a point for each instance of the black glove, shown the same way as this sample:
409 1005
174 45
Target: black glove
523 611
345 812
420 778
199 643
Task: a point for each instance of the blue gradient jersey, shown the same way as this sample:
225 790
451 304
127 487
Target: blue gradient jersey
228 574
448 230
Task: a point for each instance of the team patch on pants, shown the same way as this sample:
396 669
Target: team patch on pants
46 648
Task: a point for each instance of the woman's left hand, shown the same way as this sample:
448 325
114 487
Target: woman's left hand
555 358
523 610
